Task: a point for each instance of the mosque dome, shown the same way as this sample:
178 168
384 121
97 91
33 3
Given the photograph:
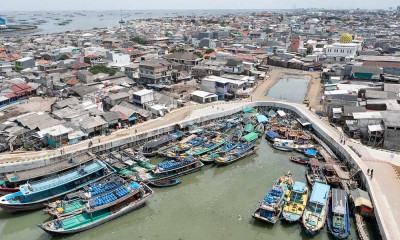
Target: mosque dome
346 38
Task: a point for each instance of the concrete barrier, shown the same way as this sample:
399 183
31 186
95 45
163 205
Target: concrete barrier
344 152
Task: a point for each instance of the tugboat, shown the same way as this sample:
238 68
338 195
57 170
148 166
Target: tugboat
294 207
339 215
101 209
270 208
314 217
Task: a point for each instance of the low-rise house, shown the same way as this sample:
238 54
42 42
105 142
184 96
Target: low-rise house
391 126
203 97
188 59
143 97
112 119
85 76
24 63
225 88
55 136
93 126
114 99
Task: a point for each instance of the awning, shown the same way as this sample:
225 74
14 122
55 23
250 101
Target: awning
272 134
248 110
250 137
133 118
262 119
311 152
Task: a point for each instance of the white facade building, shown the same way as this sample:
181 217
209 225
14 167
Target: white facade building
143 97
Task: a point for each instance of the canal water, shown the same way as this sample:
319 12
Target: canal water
214 203
290 88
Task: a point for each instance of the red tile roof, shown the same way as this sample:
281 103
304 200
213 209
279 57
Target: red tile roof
21 88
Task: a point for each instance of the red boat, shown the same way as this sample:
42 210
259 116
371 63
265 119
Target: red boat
5 191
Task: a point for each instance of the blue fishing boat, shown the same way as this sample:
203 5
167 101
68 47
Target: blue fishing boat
237 133
174 168
296 203
209 158
207 147
314 172
33 195
101 209
339 216
314 217
270 208
153 147
271 135
241 151
165 183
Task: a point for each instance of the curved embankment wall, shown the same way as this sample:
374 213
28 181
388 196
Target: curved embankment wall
321 131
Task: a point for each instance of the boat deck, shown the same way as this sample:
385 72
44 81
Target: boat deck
62 165
73 206
83 219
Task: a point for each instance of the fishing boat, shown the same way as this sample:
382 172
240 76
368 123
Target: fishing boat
260 128
270 208
73 203
101 209
241 151
339 216
316 212
300 160
153 147
271 136
314 172
330 174
33 195
284 145
210 158
309 152
165 183
237 133
182 146
248 128
297 201
207 147
175 168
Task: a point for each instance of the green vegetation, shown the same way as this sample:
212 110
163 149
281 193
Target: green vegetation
102 69
139 40
198 54
208 51
64 57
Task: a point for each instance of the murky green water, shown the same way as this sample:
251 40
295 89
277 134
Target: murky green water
290 88
214 203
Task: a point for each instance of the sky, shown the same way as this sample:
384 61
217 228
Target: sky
57 5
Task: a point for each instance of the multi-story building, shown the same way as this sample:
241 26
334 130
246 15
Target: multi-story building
155 71
24 63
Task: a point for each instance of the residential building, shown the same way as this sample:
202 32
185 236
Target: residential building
143 97
85 76
155 71
115 99
24 63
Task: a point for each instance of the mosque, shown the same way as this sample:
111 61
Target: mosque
344 50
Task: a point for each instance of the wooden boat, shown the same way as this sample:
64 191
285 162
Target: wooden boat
270 208
210 158
237 133
207 147
175 168
260 128
314 217
331 176
153 147
241 151
5 190
73 203
284 145
33 195
300 160
165 183
183 146
101 210
271 135
248 128
296 203
339 216
314 172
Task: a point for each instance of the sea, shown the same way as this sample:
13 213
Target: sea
48 21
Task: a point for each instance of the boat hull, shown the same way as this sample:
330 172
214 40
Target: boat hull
183 173
291 217
126 210
5 191
257 216
162 185
219 163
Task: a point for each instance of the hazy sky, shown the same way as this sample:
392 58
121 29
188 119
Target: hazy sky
35 5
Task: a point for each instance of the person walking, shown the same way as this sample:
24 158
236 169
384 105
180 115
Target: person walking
372 173
368 171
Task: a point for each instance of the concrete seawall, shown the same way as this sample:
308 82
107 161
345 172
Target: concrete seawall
321 130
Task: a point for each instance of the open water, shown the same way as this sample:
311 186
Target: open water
290 88
85 20
214 203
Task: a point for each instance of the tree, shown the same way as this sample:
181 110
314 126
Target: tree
103 69
139 40
198 54
210 50
64 57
